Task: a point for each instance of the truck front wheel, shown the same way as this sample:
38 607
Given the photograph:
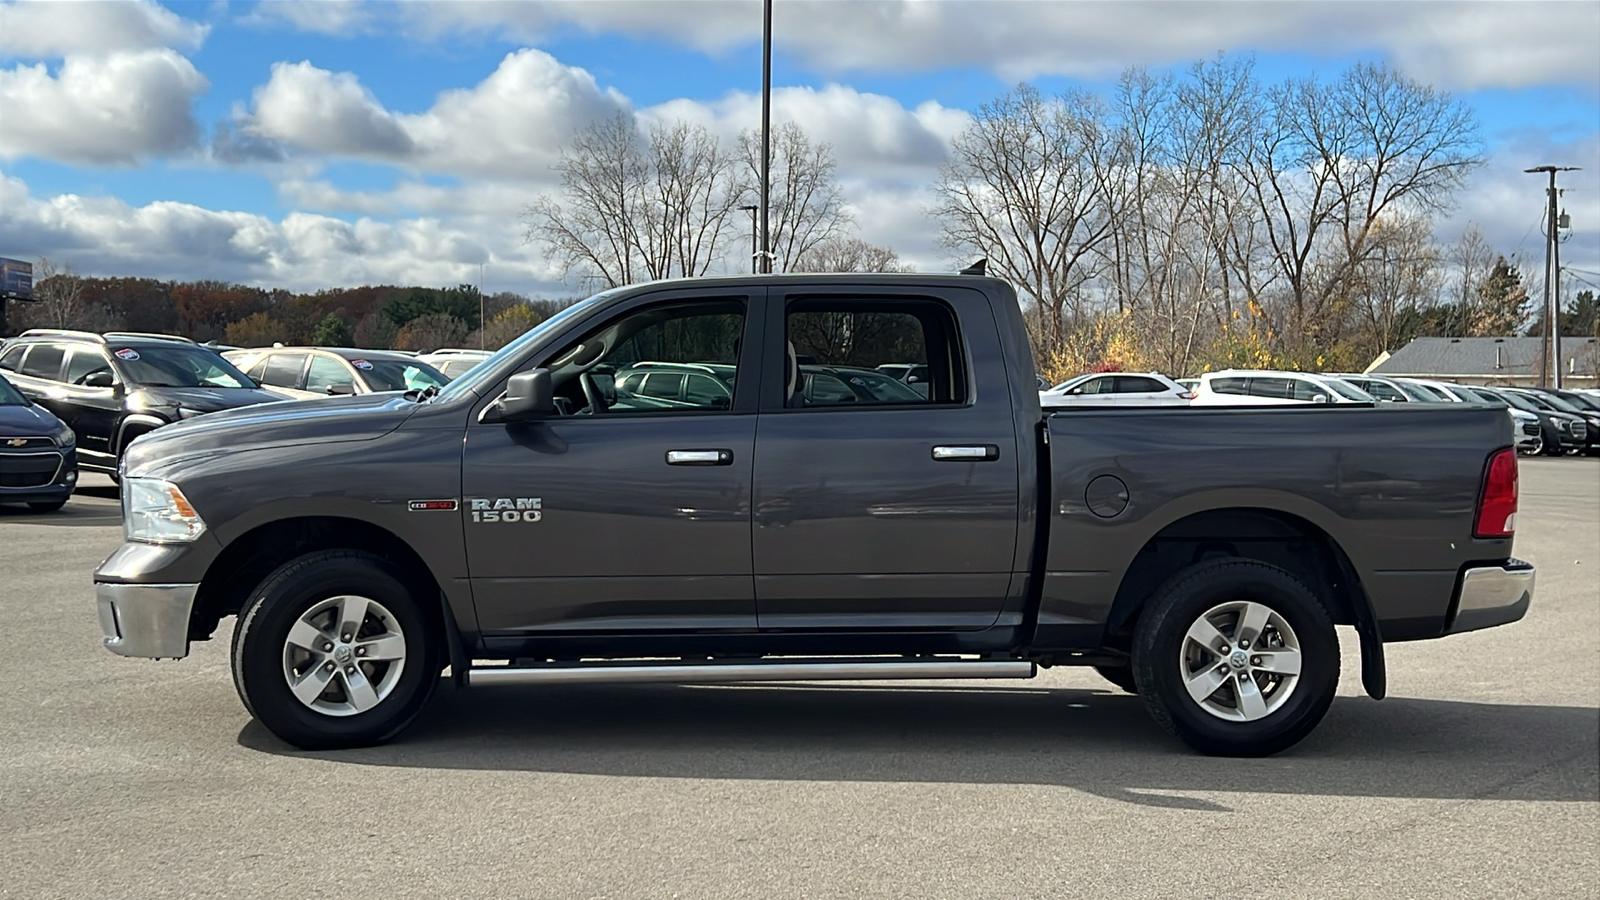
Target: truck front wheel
334 651
1236 658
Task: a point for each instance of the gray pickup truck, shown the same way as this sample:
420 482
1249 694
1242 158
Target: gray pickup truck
764 505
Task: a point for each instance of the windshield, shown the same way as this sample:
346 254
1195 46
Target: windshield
1486 397
398 375
1561 403
1349 391
1588 403
9 396
178 365
473 378
1429 393
1521 402
1412 391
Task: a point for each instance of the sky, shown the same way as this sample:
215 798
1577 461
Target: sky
308 144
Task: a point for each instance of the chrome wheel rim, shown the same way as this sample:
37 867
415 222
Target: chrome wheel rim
344 655
1240 661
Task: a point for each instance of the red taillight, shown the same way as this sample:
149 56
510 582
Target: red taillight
1188 395
1497 505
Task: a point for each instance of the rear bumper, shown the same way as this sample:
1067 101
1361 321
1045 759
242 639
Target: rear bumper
1493 595
146 620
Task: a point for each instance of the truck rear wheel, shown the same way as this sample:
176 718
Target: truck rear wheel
334 651
1236 658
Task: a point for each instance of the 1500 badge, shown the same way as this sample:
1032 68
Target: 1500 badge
507 509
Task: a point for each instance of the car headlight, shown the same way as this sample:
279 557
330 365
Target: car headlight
156 512
65 437
185 412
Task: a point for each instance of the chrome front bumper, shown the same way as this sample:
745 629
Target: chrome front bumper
148 620
1493 595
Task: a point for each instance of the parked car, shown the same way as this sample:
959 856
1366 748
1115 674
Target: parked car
1188 384
1198 557
1562 432
1249 387
1117 389
1392 389
454 363
1527 426
1577 406
309 372
915 375
652 385
38 453
113 388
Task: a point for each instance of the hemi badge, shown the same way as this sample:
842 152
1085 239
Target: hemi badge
426 505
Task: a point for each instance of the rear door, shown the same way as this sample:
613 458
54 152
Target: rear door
286 372
1141 390
894 515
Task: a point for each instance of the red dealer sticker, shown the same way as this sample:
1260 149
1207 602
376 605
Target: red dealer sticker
428 505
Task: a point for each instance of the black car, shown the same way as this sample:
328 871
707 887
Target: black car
1578 405
1563 432
111 388
38 453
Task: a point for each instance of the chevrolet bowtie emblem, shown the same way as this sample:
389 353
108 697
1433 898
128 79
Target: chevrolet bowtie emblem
17 442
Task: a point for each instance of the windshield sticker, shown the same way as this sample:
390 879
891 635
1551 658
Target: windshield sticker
128 353
361 364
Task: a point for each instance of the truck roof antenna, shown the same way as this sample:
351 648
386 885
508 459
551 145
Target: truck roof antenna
977 268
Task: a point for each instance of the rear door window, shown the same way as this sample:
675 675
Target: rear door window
12 358
1236 386
1276 388
45 361
663 385
1138 384
834 340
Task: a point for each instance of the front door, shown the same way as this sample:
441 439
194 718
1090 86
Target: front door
879 506
625 512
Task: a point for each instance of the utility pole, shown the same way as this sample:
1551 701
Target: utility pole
766 129
1552 279
755 251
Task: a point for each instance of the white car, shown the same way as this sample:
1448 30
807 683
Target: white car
1245 387
1117 389
454 362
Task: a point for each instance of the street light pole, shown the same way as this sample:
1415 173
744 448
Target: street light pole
766 129
1552 279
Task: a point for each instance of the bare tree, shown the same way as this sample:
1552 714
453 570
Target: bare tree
59 301
849 255
807 205
636 207
1027 188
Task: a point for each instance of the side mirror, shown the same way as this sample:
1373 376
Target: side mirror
1319 398
1076 390
98 380
343 389
528 394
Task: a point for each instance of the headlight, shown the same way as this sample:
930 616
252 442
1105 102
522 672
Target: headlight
185 412
155 511
65 438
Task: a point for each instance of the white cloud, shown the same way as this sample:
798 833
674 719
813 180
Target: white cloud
512 124
112 109
302 251
325 112
1463 45
339 18
40 30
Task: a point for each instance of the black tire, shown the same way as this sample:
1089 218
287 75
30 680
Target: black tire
277 604
47 506
1121 676
1160 643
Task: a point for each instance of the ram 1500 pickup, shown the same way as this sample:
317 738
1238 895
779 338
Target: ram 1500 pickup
714 480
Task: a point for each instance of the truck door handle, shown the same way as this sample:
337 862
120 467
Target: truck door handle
966 452
699 457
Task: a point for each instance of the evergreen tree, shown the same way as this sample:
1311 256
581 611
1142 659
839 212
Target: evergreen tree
332 332
1502 302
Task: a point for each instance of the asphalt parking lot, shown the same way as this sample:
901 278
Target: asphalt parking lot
1479 777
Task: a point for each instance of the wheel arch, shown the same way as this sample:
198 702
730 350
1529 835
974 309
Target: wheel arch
1274 536
249 558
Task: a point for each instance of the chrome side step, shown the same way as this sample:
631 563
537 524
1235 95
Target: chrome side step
796 670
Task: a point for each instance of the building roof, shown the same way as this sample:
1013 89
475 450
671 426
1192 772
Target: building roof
1509 357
